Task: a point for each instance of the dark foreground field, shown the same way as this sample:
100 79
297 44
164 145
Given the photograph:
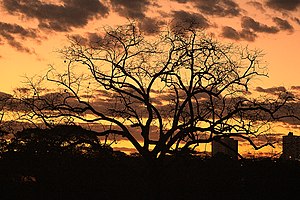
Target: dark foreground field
121 177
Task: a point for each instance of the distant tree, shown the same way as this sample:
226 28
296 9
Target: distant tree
165 94
61 140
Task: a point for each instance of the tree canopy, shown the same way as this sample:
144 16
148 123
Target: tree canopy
165 94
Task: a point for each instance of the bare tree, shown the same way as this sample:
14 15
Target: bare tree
165 94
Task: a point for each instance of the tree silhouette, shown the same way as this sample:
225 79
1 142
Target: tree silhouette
61 140
166 94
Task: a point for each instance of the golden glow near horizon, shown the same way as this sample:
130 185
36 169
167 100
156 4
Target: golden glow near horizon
29 38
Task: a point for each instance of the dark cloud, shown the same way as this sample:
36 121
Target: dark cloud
181 1
283 24
58 17
125 150
248 35
272 90
250 27
231 33
251 24
136 132
4 96
17 29
108 103
297 20
289 5
220 8
291 107
136 10
87 39
130 8
11 33
295 87
183 20
150 25
256 5
266 138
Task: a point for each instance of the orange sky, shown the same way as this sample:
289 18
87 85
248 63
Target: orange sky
29 35
32 30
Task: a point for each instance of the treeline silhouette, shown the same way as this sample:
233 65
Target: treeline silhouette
68 162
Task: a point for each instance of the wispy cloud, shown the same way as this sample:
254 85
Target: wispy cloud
10 33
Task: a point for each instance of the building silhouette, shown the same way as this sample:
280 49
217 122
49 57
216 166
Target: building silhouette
225 146
291 147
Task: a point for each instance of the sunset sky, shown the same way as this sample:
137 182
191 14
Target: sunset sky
31 31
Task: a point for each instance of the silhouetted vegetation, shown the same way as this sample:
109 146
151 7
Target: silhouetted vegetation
60 140
38 164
